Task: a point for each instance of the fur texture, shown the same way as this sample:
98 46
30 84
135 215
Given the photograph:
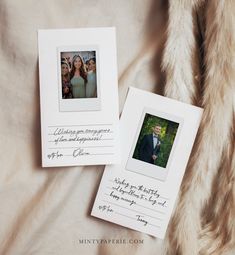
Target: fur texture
203 221
177 55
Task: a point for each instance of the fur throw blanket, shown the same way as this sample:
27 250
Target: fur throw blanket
194 62
199 65
190 47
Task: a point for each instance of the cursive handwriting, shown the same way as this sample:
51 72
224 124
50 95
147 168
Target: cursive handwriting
80 140
55 155
106 208
122 190
80 135
141 219
79 152
72 132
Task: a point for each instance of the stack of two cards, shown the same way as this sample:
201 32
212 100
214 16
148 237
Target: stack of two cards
147 150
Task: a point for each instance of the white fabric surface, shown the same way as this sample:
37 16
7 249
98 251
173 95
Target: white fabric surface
47 211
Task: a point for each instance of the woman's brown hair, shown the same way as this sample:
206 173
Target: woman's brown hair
67 76
82 69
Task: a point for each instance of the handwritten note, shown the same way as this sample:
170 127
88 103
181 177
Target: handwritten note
138 203
142 195
121 189
80 141
81 130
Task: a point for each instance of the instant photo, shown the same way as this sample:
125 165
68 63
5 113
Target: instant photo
78 79
140 193
153 145
78 97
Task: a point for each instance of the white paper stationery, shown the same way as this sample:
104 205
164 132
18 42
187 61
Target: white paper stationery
157 135
78 97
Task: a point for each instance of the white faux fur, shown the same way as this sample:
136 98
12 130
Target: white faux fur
177 60
187 234
47 211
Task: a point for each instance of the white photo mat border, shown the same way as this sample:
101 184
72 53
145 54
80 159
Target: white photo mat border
80 104
147 169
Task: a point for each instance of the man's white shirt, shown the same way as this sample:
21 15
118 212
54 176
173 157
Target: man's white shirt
155 140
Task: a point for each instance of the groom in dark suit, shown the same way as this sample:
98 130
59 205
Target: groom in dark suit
150 146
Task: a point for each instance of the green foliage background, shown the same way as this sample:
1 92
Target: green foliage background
168 133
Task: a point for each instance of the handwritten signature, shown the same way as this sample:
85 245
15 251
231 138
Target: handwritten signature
141 219
79 152
55 155
106 208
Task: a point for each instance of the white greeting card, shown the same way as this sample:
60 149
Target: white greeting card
157 135
78 97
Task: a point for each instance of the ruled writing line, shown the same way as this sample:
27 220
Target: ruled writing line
102 139
157 218
81 147
135 219
81 125
87 155
110 132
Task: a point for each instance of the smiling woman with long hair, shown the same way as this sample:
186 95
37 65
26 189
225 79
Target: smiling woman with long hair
78 77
